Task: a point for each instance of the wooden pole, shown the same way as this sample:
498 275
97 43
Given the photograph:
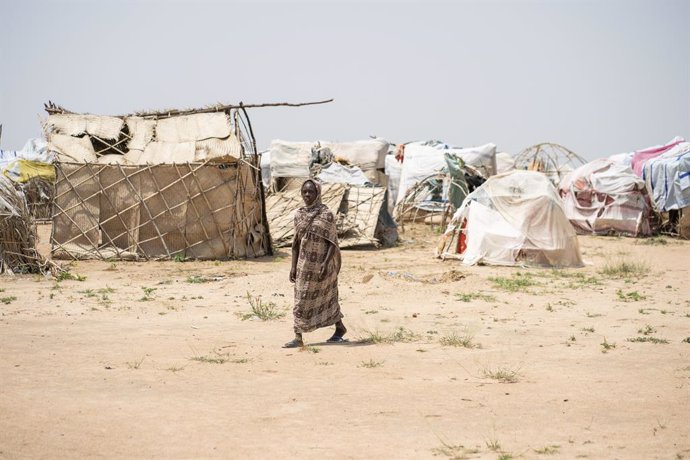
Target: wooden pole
52 108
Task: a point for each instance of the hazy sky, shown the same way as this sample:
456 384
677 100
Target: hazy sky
599 77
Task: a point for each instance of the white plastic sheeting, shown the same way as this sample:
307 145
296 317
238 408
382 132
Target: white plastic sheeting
422 159
393 171
504 162
420 162
667 176
33 160
292 159
367 155
335 173
516 218
33 150
266 167
481 158
603 196
622 158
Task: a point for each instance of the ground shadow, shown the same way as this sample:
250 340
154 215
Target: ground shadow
349 343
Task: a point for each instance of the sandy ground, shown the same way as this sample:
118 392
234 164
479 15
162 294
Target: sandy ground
155 360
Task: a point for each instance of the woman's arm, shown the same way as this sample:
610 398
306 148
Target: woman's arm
295 258
325 264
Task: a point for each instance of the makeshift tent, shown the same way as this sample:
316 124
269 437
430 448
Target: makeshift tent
667 176
423 159
434 182
554 160
358 200
515 218
358 213
606 197
180 183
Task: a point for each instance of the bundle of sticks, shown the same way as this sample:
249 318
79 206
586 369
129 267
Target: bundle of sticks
18 252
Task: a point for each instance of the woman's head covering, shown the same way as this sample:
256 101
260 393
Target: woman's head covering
317 200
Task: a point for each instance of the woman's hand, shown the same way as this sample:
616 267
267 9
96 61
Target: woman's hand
324 270
293 274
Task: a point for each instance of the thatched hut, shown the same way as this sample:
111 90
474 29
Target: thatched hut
157 185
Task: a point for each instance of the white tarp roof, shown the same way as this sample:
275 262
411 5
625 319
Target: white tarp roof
178 139
419 163
292 159
504 162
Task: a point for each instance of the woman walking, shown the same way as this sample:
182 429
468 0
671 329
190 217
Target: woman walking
315 266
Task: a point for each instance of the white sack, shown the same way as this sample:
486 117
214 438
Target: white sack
218 149
168 152
112 159
197 127
134 157
72 149
100 126
140 131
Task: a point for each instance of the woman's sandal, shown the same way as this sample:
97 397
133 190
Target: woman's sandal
336 339
294 343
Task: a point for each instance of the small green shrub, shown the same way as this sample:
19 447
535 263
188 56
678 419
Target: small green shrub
518 282
625 269
265 311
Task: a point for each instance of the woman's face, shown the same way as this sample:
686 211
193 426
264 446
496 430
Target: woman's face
308 193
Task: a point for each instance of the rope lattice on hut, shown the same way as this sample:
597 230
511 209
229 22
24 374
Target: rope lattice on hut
190 210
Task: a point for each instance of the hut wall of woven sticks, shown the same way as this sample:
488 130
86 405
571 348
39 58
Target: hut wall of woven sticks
157 185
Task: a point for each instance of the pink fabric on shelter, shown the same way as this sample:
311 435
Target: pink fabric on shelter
641 156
